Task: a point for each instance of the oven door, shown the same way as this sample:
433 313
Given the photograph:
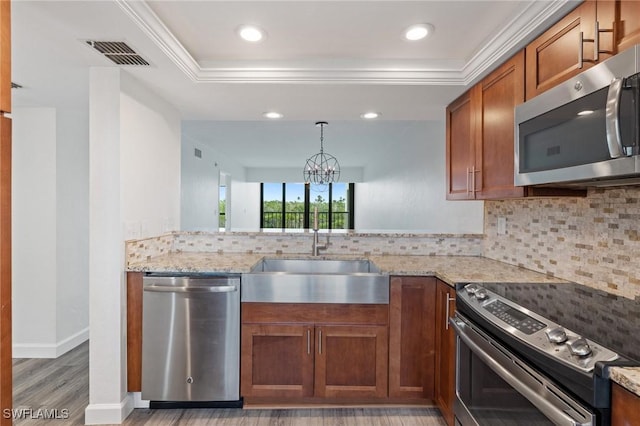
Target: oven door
494 387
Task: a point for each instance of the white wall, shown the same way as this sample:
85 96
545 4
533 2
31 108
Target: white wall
34 231
107 297
72 243
150 160
294 174
134 188
245 206
199 188
50 231
200 180
404 185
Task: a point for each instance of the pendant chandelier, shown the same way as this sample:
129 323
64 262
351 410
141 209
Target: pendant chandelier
321 168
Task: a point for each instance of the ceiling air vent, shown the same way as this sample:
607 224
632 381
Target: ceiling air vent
118 51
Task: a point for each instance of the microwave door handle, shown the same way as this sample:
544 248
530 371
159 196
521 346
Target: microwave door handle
612 119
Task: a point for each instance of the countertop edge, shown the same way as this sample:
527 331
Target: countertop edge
627 377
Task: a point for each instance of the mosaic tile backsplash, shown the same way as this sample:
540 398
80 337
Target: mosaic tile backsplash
300 243
593 240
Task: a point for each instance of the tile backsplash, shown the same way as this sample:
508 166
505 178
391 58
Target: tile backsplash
593 240
362 244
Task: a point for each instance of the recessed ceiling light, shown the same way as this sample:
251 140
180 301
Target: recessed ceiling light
418 32
370 115
251 33
585 112
272 115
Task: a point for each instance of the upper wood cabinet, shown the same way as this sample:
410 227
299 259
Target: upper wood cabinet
627 23
498 94
564 50
460 147
591 33
480 136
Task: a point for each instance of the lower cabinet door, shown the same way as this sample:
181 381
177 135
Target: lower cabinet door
412 337
445 351
351 361
277 360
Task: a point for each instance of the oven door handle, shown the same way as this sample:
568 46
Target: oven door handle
555 412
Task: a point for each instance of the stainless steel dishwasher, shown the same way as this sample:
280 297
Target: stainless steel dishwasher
191 340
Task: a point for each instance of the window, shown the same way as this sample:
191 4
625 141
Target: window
292 205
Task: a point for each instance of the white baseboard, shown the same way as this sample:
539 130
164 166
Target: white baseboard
104 414
72 341
138 402
50 350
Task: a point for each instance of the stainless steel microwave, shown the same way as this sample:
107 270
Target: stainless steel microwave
584 132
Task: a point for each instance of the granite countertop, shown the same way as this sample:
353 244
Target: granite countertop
457 269
451 269
197 262
627 377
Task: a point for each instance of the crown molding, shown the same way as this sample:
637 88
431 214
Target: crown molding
496 49
521 30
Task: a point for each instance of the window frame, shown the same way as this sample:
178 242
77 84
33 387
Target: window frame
307 202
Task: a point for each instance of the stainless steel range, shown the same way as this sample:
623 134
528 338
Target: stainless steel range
538 354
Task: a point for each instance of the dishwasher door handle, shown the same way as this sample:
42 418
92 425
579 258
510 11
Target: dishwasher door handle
191 289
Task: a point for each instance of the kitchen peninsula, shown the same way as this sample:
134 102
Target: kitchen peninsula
409 259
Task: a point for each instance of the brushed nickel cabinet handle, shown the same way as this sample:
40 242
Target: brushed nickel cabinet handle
320 342
596 43
308 342
473 176
581 50
446 315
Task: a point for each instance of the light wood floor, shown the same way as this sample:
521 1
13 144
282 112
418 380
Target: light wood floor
63 383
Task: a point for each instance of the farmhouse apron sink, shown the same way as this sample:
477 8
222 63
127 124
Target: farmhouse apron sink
315 281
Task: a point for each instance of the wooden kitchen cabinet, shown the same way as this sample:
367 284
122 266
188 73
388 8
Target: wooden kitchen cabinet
498 95
412 349
561 52
591 33
625 407
312 353
627 26
277 360
296 361
460 147
480 145
134 331
445 346
351 361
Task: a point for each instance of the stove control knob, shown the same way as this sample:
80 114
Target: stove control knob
556 335
471 288
481 294
580 347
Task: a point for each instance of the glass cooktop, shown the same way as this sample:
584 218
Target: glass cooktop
613 321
